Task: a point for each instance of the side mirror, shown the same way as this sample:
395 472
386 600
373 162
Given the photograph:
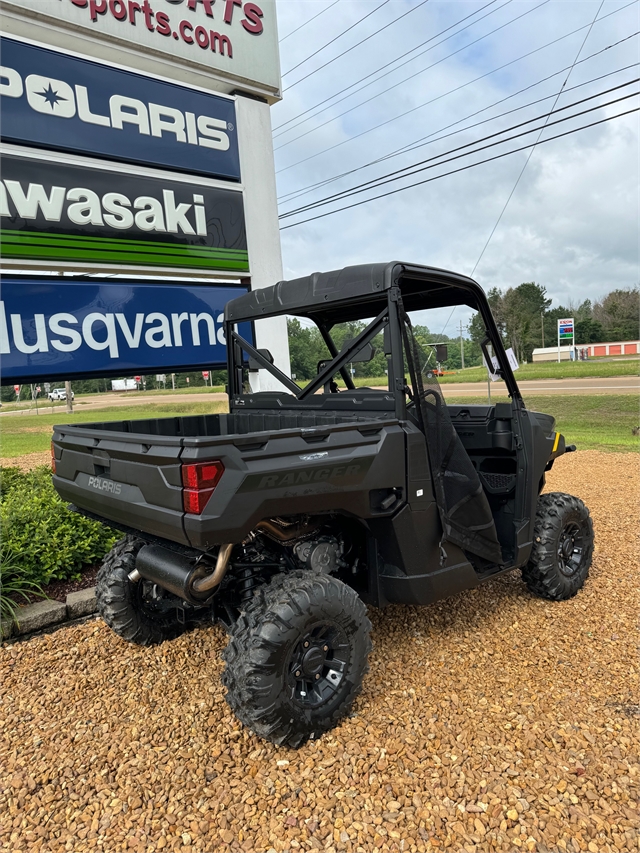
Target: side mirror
253 364
386 340
365 353
442 352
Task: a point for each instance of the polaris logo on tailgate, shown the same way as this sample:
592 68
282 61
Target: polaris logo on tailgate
105 485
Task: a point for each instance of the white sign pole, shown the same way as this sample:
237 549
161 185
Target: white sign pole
263 234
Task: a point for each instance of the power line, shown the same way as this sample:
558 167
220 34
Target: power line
326 9
418 167
431 138
530 155
344 32
366 77
411 76
370 185
461 169
450 92
353 47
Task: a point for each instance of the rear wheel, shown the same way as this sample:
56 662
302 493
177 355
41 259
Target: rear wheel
140 612
562 547
297 656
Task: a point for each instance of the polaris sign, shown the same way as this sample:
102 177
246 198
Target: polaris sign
53 100
55 212
65 329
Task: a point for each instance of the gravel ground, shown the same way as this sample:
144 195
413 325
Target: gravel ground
493 721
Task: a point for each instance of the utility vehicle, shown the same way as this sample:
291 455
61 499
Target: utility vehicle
285 517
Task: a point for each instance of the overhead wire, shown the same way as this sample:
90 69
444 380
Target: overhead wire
339 36
431 138
420 166
530 155
460 169
353 47
411 76
451 91
391 62
416 168
293 32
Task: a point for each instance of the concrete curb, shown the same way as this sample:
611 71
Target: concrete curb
43 614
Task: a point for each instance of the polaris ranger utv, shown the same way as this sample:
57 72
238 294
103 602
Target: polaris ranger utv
285 517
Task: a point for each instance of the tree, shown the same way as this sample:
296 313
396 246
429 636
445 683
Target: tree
619 314
522 311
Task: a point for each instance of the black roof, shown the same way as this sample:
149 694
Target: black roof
356 292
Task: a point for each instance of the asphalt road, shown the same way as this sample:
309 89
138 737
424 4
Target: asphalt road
593 385
614 385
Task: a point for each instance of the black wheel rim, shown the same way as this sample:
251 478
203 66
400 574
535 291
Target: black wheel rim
318 664
571 549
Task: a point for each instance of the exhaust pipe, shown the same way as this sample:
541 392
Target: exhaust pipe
178 574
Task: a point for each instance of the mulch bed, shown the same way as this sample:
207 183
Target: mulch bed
58 590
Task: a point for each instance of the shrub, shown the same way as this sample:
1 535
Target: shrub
48 541
14 585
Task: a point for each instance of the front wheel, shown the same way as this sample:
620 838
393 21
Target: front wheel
562 547
139 612
296 657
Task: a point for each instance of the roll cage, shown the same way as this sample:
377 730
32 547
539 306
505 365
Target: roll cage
385 291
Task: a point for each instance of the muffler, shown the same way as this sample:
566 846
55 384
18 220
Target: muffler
191 581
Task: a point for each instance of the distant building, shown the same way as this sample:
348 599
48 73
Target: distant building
586 351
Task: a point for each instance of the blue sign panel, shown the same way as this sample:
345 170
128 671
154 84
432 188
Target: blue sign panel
66 329
52 100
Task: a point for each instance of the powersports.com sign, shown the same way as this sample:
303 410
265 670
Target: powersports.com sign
233 40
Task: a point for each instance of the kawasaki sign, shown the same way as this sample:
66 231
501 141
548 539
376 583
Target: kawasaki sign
69 328
81 215
53 100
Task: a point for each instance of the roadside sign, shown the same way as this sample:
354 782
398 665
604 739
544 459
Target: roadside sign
138 378
107 214
565 331
566 334
205 374
16 388
74 328
221 45
54 100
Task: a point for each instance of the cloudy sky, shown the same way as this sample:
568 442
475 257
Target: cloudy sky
572 222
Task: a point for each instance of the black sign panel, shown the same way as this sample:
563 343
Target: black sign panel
77 214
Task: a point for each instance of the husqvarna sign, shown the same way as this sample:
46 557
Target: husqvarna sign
64 329
53 100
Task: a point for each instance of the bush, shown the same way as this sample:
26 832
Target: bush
14 586
48 541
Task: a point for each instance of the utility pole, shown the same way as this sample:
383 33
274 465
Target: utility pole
67 388
542 326
461 345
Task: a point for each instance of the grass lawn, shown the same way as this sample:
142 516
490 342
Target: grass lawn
22 434
545 370
597 422
601 422
554 370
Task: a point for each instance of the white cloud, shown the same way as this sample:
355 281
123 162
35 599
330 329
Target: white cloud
572 224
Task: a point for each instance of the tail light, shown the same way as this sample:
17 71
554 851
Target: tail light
199 480
53 458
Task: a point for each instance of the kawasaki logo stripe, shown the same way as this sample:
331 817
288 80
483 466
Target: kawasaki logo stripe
21 244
